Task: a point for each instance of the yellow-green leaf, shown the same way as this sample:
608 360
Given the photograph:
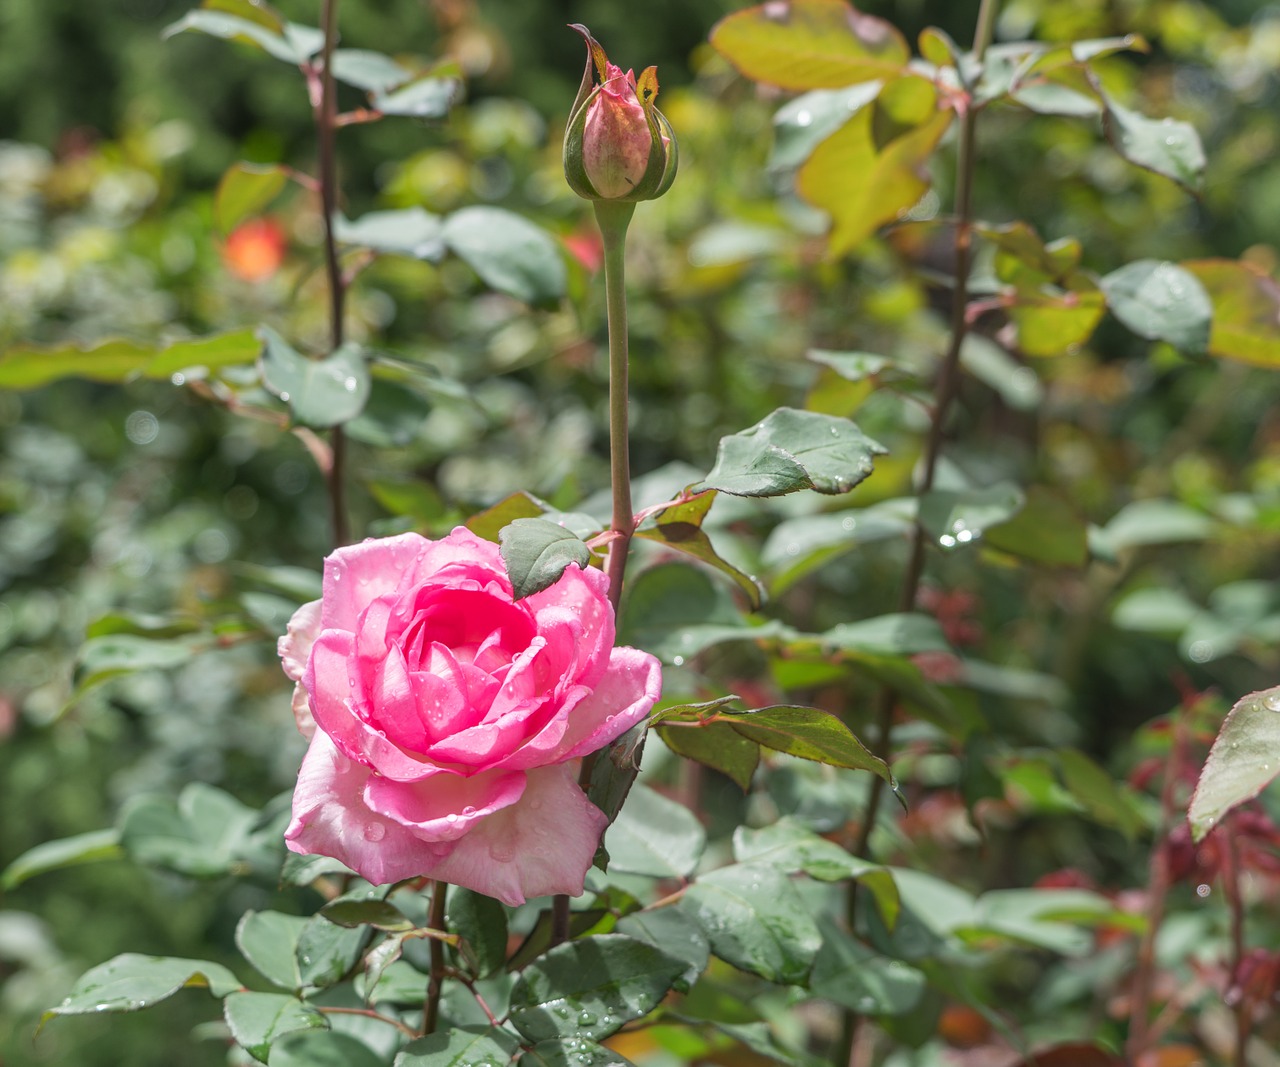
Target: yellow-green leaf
1246 311
244 190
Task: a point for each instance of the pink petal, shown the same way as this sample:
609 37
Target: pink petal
330 818
444 807
357 574
294 647
585 594
462 554
622 698
542 845
331 683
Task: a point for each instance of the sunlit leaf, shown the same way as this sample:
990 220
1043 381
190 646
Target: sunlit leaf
241 21
810 44
93 847
460 1047
679 527
320 392
244 190
1245 758
426 98
371 71
1160 301
655 836
1246 311
536 553
409 231
131 982
1046 530
957 517
1165 146
852 975
258 1019
508 252
716 745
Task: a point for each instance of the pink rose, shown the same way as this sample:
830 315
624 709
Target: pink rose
616 141
447 720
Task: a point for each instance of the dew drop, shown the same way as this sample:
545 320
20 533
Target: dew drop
469 810
803 118
677 661
793 549
1203 890
1272 703
848 524
285 397
375 831
177 378
501 853
349 384
586 1018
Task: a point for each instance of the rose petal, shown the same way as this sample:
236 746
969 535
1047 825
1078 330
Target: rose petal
463 554
357 574
302 716
586 595
330 818
331 684
622 698
445 806
294 647
540 846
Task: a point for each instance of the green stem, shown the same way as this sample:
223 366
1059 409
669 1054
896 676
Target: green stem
435 979
613 219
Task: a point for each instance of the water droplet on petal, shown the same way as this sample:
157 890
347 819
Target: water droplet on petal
375 831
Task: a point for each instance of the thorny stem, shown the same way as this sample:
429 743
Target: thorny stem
944 395
435 978
1157 890
326 115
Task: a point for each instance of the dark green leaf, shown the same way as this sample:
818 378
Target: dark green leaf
258 1019
810 734
582 923
1107 801
850 974
537 552
570 1052
655 836
1047 530
131 982
327 953
1164 146
590 988
680 527
1162 302
481 923
93 847
755 919
28 366
715 745
791 450
320 1048
321 392
676 934
1017 385
269 941
461 1047
1244 759
798 546
893 635
376 913
509 252
245 189
409 231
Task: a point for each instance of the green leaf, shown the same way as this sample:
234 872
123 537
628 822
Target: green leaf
103 658
320 392
1162 302
811 734
810 44
481 923
1165 146
590 988
1155 611
679 527
537 552
1046 530
799 546
376 913
1243 761
1017 385
93 847
570 1052
1246 311
258 1019
131 982
327 953
244 190
956 517
460 1047
200 836
286 41
1045 918
899 634
676 934
864 180
509 252
791 450
269 941
582 923
29 366
755 919
1107 801
1054 323
320 1048
850 974
655 836
715 745
410 231
802 124
430 97
371 71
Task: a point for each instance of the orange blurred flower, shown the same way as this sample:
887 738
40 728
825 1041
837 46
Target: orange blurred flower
254 250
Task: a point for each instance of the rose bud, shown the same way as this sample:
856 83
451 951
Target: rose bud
618 145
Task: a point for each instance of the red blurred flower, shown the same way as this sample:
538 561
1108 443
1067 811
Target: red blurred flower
254 250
